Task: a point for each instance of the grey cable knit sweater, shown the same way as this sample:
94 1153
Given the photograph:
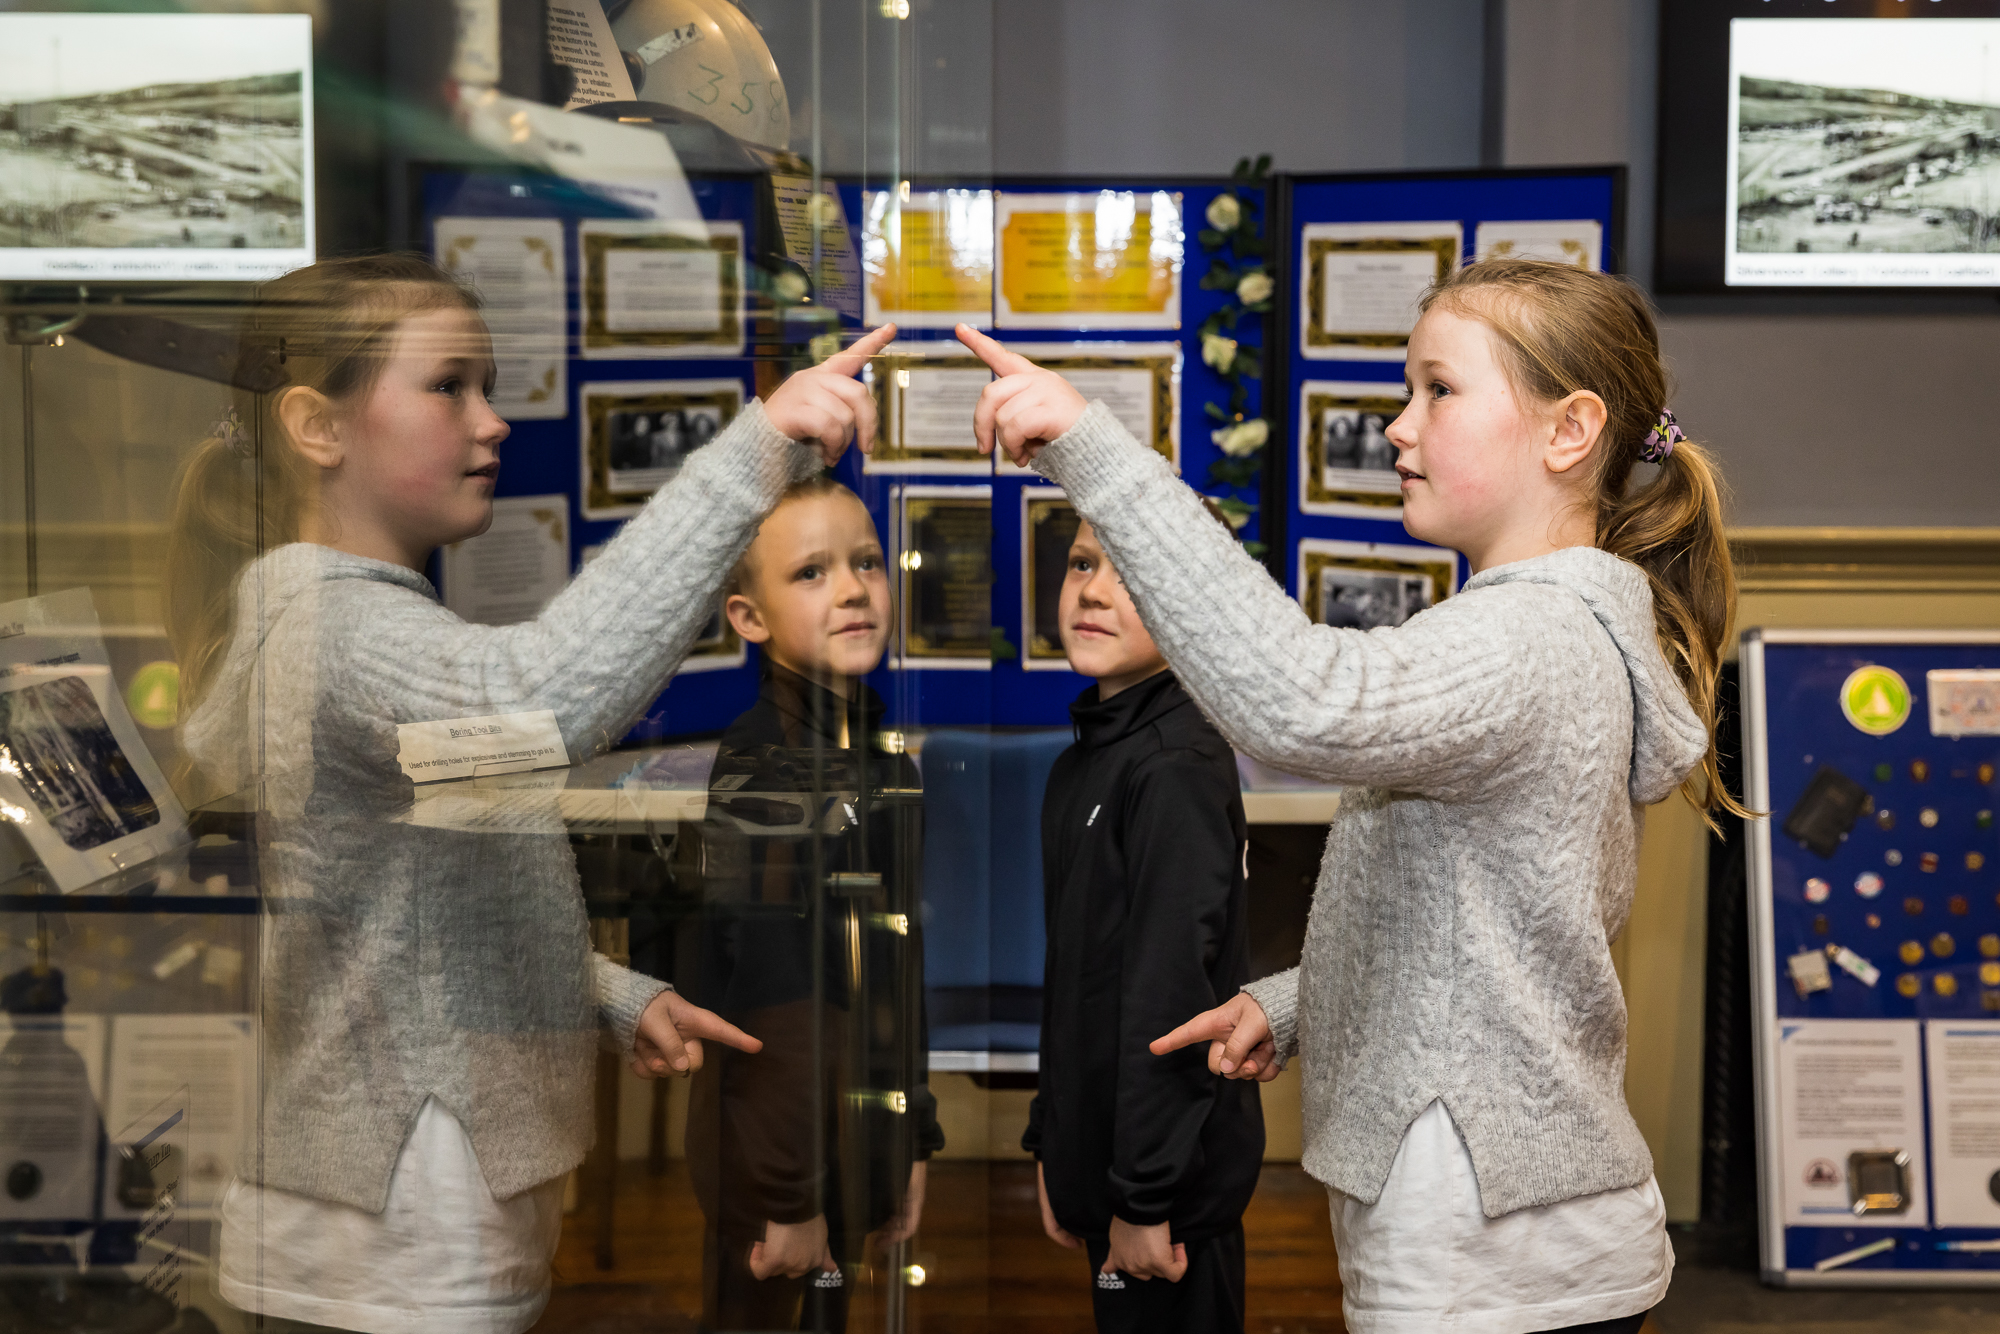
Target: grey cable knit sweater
1501 746
402 961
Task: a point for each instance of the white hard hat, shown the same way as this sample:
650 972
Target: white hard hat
706 57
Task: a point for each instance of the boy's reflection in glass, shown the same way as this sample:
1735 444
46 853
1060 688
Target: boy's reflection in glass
809 942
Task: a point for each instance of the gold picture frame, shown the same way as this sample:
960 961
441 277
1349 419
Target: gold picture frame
616 487
1445 241
1162 359
944 563
1366 585
889 379
1361 492
1048 527
597 241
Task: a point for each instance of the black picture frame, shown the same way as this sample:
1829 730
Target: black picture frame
1691 198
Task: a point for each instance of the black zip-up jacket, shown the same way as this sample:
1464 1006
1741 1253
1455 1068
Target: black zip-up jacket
1143 842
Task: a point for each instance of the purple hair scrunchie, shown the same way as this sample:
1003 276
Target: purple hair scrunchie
1660 441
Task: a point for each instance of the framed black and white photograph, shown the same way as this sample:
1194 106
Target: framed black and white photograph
76 779
1347 464
155 146
1864 153
637 434
1369 585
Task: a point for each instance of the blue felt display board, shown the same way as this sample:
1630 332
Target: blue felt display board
1928 833
1468 198
541 456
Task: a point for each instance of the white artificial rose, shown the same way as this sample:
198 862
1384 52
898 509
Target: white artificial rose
1242 438
789 286
1255 287
1218 351
1224 213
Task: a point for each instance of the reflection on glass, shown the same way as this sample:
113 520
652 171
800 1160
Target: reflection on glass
928 257
808 939
1108 259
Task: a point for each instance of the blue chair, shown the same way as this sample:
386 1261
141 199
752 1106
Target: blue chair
983 934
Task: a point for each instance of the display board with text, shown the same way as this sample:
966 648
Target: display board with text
1875 953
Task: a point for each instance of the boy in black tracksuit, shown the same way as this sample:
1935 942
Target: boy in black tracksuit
1147 1161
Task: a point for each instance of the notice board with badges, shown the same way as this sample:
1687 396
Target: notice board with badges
1875 953
1355 254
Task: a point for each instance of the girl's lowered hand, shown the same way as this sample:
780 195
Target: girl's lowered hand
1025 408
827 404
1239 1039
670 1034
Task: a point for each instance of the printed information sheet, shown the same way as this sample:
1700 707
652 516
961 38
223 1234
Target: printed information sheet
508 573
214 1057
51 1075
1964 1061
1845 1086
516 265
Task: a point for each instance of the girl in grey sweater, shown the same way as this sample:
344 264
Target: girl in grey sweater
431 1004
1462 1029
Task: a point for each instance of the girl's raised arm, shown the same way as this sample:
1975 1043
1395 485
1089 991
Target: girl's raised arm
1429 707
604 647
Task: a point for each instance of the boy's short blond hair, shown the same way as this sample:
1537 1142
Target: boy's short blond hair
744 575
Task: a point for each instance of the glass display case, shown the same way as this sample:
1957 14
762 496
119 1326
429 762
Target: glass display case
247 1004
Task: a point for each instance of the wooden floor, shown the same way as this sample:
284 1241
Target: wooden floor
987 1265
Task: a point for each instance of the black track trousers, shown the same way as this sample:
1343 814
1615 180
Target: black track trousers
1207 1300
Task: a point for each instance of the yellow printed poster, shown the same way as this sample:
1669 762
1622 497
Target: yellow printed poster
1105 260
928 258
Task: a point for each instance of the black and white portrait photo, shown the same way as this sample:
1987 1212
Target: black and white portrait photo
657 443
638 434
1365 599
1356 442
1369 585
1347 463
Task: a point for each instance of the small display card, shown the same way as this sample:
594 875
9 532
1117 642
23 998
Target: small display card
500 743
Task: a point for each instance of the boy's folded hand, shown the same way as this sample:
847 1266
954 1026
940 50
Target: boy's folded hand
1239 1040
670 1033
1145 1252
1025 408
791 1250
825 403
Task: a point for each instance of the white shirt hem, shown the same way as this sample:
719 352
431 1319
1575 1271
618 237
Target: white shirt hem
1583 1310
500 1318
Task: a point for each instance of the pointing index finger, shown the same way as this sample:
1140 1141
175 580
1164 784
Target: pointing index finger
854 358
996 357
1208 1027
707 1025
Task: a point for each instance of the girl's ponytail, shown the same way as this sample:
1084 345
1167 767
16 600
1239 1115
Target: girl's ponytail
1672 529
